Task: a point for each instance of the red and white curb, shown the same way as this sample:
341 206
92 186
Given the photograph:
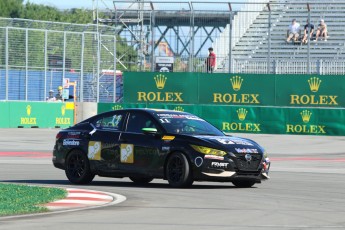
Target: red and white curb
81 199
77 199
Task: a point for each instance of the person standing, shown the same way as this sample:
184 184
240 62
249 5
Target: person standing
210 61
51 96
59 96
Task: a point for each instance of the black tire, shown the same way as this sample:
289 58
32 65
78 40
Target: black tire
243 183
77 168
141 180
178 172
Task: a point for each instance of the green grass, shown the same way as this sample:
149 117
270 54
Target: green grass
22 199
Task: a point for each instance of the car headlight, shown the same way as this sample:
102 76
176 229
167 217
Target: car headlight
208 151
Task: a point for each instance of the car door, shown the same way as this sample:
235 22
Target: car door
104 146
141 152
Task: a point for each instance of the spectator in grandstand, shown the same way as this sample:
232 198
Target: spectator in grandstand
321 30
51 96
293 31
210 61
58 96
306 29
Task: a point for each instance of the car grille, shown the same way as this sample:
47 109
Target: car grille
245 165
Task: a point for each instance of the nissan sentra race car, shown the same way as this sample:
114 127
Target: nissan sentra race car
144 144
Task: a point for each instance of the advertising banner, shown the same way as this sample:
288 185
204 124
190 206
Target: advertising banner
310 91
258 119
105 107
236 119
275 120
40 115
235 89
179 88
164 64
4 115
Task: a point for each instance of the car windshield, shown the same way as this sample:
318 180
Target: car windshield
180 123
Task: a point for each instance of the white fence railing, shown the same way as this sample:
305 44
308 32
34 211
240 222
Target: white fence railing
260 66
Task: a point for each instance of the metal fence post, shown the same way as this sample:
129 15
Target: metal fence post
309 29
26 62
45 61
269 39
98 37
230 39
81 89
153 43
319 67
6 63
191 51
64 58
114 91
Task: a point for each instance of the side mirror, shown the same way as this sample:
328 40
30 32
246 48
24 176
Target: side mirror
149 130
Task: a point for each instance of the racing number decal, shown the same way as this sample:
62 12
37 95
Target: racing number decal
127 153
94 150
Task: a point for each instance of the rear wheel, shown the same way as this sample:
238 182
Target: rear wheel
77 168
178 171
243 183
141 180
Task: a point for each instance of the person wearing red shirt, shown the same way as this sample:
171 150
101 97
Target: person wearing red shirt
210 61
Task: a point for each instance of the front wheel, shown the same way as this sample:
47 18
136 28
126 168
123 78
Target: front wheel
77 168
243 183
178 172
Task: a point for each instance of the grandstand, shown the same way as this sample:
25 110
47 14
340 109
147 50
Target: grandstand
254 45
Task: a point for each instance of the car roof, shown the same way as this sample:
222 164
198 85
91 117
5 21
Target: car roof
147 110
152 110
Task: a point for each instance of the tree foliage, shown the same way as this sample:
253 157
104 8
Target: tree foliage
17 9
11 8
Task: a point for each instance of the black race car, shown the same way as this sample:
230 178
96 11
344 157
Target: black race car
144 144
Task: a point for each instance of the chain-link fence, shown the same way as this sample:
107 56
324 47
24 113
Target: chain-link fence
37 57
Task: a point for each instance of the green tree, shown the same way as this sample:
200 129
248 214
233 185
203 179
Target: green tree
10 8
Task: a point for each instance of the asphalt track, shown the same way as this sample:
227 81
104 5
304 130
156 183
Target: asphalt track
306 190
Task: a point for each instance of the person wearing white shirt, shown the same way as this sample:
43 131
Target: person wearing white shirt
293 31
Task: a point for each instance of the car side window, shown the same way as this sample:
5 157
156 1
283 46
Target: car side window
138 121
113 122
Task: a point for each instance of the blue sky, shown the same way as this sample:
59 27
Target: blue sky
66 4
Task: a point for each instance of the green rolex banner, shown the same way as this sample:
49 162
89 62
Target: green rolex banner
259 119
36 114
310 91
5 115
147 87
275 120
235 89
104 107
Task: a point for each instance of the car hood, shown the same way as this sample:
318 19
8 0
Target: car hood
232 143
